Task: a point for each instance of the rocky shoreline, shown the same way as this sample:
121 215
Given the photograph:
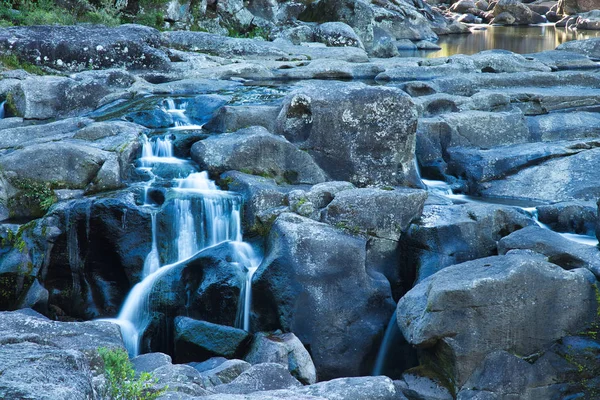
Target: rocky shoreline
338 157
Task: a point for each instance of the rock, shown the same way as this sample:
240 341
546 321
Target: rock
427 45
498 61
523 15
200 340
504 18
337 34
205 287
284 349
234 118
224 373
150 362
256 151
570 7
573 217
405 45
302 260
60 357
207 365
564 126
180 379
349 142
153 119
260 377
562 179
33 134
361 388
588 47
419 385
558 250
203 107
376 212
463 6
507 303
82 47
45 97
589 20
102 243
448 235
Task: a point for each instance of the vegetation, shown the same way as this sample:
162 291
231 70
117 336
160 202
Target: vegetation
10 61
122 382
36 195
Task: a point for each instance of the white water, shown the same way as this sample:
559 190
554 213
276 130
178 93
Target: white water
180 119
385 345
203 216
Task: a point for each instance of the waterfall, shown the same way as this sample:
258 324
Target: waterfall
158 150
385 345
2 111
203 216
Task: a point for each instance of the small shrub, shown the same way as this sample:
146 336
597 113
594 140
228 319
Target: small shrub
122 382
11 61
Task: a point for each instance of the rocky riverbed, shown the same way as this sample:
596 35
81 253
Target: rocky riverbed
455 196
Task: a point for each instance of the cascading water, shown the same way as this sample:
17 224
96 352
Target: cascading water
385 345
203 216
177 111
159 150
2 112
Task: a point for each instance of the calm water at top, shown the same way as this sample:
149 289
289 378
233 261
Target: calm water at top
518 39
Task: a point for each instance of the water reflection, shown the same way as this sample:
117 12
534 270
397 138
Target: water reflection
518 39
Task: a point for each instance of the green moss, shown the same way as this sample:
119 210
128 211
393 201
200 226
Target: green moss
36 196
352 229
248 33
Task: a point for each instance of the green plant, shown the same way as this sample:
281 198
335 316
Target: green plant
35 194
11 61
122 382
254 32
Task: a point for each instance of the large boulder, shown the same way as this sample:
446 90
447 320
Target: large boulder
518 303
313 282
254 150
82 47
357 133
337 34
589 47
259 378
40 357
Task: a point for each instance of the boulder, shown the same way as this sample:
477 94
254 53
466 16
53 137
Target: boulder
589 20
303 258
463 6
40 357
448 235
20 136
556 248
45 97
570 7
82 47
199 340
357 133
523 15
572 217
588 47
284 349
376 212
180 379
150 362
360 388
256 151
224 373
202 108
517 303
260 377
153 119
234 118
337 34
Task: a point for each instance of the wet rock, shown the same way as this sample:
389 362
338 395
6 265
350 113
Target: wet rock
573 217
284 349
507 303
558 249
260 377
302 260
199 340
153 119
81 47
589 20
27 135
45 97
256 151
202 108
448 235
234 118
352 142
337 34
